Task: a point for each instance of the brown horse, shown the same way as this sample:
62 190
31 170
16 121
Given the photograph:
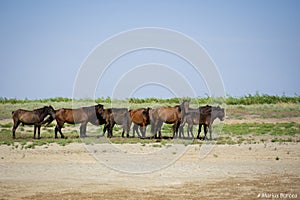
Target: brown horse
140 117
119 116
77 116
193 118
207 117
35 117
168 115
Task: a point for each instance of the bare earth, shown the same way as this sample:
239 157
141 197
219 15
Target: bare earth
247 171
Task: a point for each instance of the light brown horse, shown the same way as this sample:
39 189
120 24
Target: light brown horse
168 115
77 116
140 117
35 117
207 117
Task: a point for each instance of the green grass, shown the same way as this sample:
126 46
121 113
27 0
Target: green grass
291 129
276 111
8 125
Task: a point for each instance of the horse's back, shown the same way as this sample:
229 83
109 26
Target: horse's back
140 116
27 117
168 115
70 116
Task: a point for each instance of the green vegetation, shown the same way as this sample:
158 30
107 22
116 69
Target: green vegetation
291 129
261 99
8 125
229 100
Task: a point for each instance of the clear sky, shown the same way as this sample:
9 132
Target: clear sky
255 44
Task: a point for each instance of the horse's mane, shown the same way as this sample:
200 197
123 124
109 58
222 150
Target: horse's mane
90 110
178 107
40 110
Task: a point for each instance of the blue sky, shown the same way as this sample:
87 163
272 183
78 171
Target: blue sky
254 44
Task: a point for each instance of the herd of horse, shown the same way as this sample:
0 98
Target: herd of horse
177 115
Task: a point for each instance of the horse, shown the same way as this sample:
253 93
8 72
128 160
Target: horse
119 116
77 116
35 117
192 118
207 118
168 115
140 117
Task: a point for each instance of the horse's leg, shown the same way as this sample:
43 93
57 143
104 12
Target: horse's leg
39 132
158 130
205 131
34 128
187 131
199 131
58 129
175 129
143 130
109 132
181 131
191 130
16 124
104 129
55 131
110 129
135 129
127 130
123 131
83 129
127 125
210 132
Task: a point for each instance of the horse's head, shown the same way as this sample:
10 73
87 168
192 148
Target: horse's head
219 113
99 109
50 110
184 106
146 114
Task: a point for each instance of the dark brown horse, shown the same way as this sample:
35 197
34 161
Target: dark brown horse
35 117
119 116
207 117
168 115
77 116
140 118
193 118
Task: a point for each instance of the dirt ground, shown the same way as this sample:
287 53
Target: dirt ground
246 171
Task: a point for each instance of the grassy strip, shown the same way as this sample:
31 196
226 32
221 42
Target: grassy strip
229 100
290 129
230 134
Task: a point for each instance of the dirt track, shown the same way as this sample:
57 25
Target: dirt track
228 171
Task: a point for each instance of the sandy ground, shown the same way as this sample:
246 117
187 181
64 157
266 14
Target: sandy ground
247 171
